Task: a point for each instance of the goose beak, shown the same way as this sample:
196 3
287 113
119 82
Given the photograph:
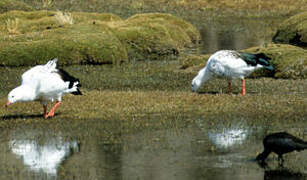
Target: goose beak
7 104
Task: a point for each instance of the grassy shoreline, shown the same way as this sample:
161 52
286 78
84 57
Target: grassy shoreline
153 95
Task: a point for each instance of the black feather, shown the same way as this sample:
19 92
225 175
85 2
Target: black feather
254 59
69 78
78 92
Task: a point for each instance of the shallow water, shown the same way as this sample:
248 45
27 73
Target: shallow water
214 39
199 151
237 33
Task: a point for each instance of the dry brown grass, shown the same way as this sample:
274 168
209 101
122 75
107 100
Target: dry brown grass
47 3
246 5
64 18
12 26
153 92
126 8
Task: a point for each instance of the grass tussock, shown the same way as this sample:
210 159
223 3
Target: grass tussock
64 18
12 26
293 31
154 35
79 38
47 3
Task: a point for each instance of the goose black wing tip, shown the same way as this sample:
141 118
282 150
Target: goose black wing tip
78 92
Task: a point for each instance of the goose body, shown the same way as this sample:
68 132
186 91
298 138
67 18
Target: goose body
230 65
44 83
280 143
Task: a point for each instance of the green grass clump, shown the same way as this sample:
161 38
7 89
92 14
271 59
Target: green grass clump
289 61
42 38
196 61
40 21
8 5
78 47
152 35
34 37
293 31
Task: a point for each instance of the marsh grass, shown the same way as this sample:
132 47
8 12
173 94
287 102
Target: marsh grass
244 6
152 95
9 5
149 110
47 3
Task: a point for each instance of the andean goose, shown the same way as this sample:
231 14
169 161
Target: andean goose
44 83
230 65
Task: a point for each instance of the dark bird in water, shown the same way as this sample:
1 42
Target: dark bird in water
280 143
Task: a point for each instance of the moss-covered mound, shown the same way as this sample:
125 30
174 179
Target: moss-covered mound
8 5
38 21
154 35
289 61
35 37
293 31
29 38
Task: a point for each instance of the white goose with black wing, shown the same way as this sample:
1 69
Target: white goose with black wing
45 83
230 65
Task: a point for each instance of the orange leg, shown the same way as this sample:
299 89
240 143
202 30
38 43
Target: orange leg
45 111
52 111
243 87
229 87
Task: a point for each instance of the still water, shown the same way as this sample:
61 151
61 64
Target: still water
214 39
199 151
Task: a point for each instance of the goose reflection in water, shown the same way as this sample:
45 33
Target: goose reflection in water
43 157
228 137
